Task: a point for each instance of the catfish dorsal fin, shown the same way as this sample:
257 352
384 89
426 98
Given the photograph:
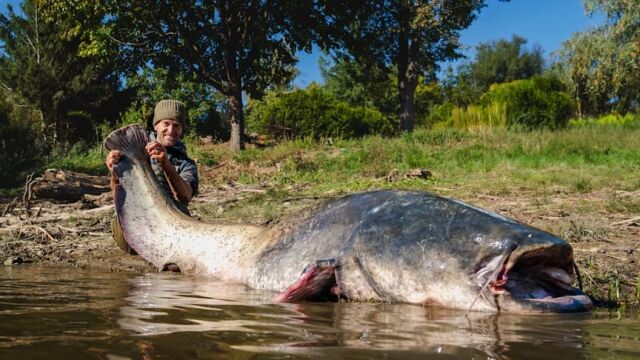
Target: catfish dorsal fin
130 141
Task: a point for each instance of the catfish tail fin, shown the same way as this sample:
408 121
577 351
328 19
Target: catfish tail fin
130 141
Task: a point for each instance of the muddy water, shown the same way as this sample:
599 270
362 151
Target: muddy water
53 313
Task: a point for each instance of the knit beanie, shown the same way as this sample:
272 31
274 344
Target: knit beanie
170 109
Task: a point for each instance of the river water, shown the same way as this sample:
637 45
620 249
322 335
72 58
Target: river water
61 313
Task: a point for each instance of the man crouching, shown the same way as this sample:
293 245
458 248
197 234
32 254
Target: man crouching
175 171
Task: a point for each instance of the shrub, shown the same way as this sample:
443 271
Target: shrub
314 113
538 102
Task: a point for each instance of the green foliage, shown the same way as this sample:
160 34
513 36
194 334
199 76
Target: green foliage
438 115
235 47
314 113
495 62
461 161
361 84
20 144
408 37
504 61
603 63
492 115
83 159
628 120
41 63
154 84
539 102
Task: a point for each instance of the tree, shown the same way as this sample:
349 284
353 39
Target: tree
237 47
495 62
504 61
360 84
40 63
603 64
154 84
408 36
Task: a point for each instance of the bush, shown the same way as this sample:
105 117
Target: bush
538 102
314 113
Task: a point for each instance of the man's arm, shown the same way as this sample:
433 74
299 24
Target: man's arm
180 188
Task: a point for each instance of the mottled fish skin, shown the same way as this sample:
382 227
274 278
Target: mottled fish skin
399 246
395 246
160 232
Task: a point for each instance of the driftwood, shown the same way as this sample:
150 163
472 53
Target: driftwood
57 217
67 185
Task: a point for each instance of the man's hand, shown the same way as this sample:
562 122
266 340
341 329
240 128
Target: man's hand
158 152
113 158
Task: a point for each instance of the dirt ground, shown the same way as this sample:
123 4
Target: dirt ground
606 242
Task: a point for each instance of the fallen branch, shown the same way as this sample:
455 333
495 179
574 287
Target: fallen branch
43 230
78 230
625 221
82 215
26 195
9 206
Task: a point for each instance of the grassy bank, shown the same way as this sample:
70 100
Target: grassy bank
579 159
574 160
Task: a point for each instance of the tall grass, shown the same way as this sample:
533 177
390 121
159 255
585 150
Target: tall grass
628 120
492 115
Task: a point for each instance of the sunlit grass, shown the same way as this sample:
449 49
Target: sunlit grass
489 159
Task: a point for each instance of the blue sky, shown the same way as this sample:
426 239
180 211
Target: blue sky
544 22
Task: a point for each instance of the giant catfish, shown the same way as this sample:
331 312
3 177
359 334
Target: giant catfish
391 246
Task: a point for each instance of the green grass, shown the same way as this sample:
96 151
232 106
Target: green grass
577 159
89 161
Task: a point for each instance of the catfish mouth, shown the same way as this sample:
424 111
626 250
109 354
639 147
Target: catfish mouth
540 280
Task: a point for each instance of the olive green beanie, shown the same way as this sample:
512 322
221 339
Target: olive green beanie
170 109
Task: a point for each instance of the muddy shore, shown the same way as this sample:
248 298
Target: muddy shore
78 234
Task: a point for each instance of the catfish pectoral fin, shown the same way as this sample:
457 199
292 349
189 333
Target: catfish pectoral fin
318 282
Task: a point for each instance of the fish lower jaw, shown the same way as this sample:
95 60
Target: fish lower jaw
560 304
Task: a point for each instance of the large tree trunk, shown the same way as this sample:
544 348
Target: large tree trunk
407 74
237 121
407 83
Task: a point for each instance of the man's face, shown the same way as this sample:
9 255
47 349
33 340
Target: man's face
169 131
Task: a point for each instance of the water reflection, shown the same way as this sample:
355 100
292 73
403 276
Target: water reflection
351 329
57 313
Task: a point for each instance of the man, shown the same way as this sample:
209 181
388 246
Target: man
176 172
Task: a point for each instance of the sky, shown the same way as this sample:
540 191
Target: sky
547 23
